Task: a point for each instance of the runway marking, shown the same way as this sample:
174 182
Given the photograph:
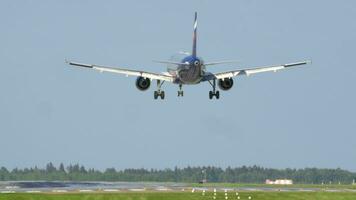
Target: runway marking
7 192
11 187
85 190
60 191
202 189
111 190
162 189
137 189
331 190
33 191
252 189
350 190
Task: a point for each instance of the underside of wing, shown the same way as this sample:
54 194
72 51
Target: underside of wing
128 72
250 71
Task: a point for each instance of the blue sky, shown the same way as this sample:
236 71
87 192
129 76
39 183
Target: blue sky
303 117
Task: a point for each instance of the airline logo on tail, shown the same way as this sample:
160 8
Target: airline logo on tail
194 51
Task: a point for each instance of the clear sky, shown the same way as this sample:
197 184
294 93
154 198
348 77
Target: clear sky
302 117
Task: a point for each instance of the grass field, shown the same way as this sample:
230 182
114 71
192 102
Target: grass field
184 196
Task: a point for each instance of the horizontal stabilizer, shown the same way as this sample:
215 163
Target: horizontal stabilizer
169 62
221 62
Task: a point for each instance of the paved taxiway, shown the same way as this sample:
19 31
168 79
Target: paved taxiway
89 187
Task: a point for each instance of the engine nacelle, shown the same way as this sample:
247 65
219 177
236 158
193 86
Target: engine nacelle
143 83
226 83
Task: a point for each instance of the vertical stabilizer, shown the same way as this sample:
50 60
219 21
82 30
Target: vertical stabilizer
194 51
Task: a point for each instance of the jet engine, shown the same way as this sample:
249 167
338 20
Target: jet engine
143 83
226 83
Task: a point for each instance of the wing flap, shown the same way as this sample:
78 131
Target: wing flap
124 71
250 71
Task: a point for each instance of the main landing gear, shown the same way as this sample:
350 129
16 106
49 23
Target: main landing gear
180 91
159 92
215 92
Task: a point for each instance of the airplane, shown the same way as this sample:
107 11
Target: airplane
188 71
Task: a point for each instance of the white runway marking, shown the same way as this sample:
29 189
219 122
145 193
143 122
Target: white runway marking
162 189
11 187
7 192
202 189
137 189
350 190
85 190
60 191
329 190
110 190
33 191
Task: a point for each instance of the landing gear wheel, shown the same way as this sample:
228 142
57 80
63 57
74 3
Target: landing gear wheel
180 93
217 94
212 94
159 92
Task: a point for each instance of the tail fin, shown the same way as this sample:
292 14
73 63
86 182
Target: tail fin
194 52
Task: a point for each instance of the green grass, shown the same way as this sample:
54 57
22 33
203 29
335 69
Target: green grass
184 196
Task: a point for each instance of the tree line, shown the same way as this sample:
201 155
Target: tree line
244 174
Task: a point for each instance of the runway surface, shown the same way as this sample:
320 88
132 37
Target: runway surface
88 187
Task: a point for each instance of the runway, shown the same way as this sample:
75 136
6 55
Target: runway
112 187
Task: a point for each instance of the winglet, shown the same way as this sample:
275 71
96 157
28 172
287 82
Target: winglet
79 64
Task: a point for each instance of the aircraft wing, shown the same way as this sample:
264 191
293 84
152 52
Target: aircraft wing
127 72
250 71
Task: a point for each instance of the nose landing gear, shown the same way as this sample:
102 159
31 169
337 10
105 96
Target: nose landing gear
180 91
